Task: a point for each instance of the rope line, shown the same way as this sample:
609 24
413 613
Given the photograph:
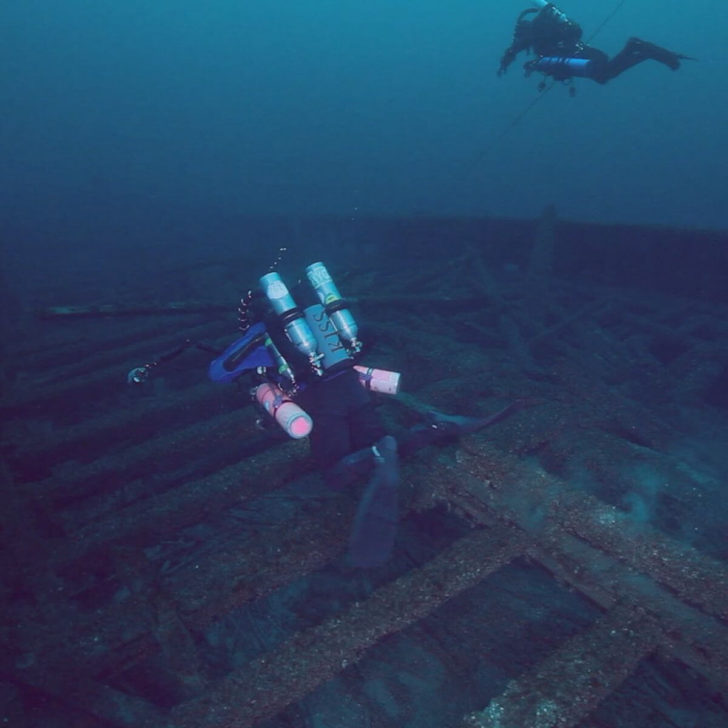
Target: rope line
601 25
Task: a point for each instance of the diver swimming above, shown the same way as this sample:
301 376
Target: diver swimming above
301 365
561 54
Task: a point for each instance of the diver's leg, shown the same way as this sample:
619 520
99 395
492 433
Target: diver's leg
598 68
365 424
636 51
375 524
360 427
349 469
329 439
441 428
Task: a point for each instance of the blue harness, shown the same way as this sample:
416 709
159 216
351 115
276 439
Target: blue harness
247 353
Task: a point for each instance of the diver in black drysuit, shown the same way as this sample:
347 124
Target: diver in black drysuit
556 40
349 441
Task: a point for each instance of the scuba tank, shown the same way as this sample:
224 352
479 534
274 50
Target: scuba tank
378 380
294 421
296 328
561 67
329 343
336 308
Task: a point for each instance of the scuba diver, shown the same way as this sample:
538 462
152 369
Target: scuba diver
556 40
301 364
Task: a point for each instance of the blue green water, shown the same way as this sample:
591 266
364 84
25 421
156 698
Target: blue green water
352 107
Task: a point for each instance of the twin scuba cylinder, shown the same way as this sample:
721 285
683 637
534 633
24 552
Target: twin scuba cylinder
326 333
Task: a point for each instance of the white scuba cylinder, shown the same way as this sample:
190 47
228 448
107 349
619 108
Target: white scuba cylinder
328 294
290 315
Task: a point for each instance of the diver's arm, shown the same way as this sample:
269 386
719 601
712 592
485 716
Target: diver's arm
521 41
509 55
506 59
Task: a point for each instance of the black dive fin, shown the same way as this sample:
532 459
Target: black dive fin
375 523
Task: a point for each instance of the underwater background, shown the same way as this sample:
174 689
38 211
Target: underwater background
165 563
351 107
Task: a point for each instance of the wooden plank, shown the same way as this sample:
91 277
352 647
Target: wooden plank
270 683
693 637
604 568
570 683
149 520
534 499
139 422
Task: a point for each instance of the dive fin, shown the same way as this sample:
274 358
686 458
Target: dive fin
375 522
